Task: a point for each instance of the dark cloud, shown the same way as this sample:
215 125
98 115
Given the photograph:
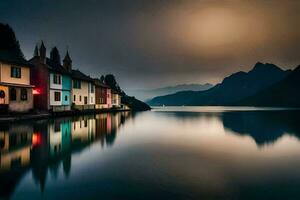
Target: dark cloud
150 43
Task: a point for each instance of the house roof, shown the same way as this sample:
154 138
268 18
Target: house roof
76 74
11 58
56 67
99 83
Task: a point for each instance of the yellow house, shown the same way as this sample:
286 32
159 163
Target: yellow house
15 89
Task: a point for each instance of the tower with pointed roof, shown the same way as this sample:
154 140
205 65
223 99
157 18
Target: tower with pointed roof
67 62
43 52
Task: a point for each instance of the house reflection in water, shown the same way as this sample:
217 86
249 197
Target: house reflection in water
47 144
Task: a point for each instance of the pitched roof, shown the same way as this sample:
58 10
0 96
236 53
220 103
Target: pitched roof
76 74
11 58
56 67
99 83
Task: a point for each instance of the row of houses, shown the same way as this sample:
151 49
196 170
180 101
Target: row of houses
43 83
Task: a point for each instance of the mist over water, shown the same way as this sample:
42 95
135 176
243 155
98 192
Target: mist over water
170 153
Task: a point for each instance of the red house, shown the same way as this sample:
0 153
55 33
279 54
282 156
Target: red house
103 95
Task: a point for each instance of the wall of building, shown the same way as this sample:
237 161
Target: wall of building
64 88
52 97
66 97
83 92
40 79
52 84
91 98
101 96
116 99
66 82
5 74
108 100
21 105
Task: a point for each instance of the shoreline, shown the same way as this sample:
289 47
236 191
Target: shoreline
32 116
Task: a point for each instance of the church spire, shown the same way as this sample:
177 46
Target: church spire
43 52
36 51
67 62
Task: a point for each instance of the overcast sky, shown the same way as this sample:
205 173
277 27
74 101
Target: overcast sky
154 43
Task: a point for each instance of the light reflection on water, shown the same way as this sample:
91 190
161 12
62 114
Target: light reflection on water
217 153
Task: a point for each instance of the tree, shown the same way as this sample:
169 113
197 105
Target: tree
9 42
102 79
110 80
54 56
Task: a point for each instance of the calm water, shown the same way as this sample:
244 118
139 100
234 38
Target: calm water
167 153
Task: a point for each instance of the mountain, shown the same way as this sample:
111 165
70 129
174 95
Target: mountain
284 93
232 89
135 104
150 93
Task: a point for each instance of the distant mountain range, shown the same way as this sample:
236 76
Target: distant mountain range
264 85
283 93
150 93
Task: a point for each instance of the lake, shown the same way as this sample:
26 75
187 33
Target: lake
166 153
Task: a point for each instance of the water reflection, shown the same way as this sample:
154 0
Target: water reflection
45 145
212 154
264 127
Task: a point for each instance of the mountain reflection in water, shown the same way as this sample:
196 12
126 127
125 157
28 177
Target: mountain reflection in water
160 154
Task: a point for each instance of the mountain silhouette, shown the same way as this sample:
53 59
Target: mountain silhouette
283 93
232 89
147 94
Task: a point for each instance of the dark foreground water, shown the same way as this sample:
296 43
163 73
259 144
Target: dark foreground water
167 153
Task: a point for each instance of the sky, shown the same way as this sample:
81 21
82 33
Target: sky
155 43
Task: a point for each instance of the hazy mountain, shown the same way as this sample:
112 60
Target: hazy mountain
283 93
150 93
232 89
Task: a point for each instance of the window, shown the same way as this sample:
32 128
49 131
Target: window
13 94
56 96
92 99
24 94
85 100
56 79
74 97
80 98
66 98
77 84
85 123
92 89
15 72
